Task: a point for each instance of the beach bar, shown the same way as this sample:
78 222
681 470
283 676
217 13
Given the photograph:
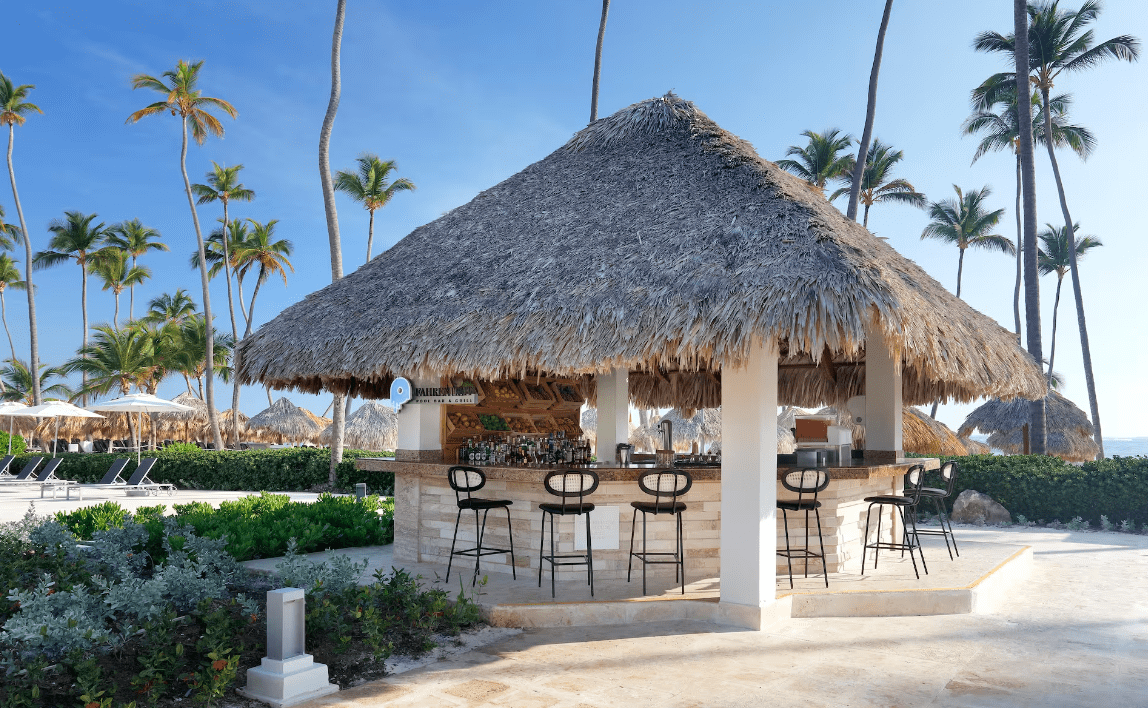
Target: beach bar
654 260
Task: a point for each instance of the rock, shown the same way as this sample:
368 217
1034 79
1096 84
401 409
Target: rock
973 507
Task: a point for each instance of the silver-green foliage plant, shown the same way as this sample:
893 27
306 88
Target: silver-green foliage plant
55 623
333 575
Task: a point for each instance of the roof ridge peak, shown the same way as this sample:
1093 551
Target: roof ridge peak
651 115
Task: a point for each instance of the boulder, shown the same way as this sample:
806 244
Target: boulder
973 507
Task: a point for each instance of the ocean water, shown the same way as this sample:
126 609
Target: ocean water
1122 447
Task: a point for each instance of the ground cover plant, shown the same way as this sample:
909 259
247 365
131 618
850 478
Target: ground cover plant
188 467
107 624
256 526
1108 493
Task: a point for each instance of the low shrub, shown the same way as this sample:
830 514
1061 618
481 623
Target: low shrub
18 444
284 470
1042 488
256 526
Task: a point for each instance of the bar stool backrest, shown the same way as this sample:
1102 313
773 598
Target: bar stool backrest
465 480
806 482
914 481
949 474
573 486
665 485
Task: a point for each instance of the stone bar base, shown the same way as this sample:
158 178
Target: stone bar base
425 512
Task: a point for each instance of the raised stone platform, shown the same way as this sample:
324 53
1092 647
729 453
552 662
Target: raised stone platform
982 575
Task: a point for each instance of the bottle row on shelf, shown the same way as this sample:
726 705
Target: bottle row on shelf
525 450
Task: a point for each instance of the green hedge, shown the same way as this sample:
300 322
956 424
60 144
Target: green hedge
284 470
1044 488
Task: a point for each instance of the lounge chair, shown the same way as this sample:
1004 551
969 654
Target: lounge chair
25 474
111 480
139 481
46 480
5 463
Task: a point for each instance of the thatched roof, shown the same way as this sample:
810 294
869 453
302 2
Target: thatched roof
975 447
1069 433
287 419
997 416
1069 445
373 426
655 241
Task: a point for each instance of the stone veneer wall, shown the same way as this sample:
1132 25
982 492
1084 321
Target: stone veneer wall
425 512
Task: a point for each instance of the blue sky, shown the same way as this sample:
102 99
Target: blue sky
464 94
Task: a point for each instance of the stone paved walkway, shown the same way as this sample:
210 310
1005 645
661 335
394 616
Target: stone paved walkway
1078 636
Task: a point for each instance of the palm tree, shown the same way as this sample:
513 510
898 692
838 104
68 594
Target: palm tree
163 339
856 181
1000 131
191 355
597 64
19 385
1058 42
9 233
965 222
111 265
116 359
182 98
820 160
369 187
876 186
170 309
14 110
271 256
9 278
135 239
338 417
238 234
223 186
75 238
1054 258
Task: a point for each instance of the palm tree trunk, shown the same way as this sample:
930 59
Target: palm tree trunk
4 316
208 328
870 112
255 294
132 295
235 356
199 381
1085 351
269 401
116 316
598 61
960 270
866 223
1052 347
338 418
33 334
187 380
84 313
239 293
1037 422
1019 252
370 233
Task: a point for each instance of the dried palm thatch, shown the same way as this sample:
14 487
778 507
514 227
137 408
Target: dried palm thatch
975 447
373 426
286 419
654 241
1069 432
1069 445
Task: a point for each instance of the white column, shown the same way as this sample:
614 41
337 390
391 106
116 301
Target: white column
613 412
749 487
882 397
420 428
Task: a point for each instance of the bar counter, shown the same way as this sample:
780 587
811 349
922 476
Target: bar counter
425 512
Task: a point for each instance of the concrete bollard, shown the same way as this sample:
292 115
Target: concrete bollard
287 675
361 490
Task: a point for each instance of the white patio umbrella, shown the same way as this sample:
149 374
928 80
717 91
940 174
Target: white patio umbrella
56 409
139 403
12 409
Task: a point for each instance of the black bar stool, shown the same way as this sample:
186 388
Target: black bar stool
572 486
949 475
807 483
906 505
668 485
468 480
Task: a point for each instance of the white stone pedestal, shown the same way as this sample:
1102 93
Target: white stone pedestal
287 676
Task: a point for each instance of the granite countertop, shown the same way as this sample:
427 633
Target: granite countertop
614 472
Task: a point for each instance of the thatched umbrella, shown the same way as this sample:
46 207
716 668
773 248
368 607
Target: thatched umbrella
286 419
1069 432
184 423
656 242
975 447
373 426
